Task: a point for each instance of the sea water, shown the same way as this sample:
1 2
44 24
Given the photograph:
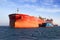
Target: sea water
7 33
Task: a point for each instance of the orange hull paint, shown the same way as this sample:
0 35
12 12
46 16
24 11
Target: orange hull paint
24 21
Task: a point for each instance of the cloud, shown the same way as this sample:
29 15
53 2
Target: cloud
11 4
42 3
20 2
48 10
47 2
27 0
7 3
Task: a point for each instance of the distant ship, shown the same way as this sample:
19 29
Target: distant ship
24 21
48 23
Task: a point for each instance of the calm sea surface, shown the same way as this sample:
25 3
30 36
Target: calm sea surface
7 33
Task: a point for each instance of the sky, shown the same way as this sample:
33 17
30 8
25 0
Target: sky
44 8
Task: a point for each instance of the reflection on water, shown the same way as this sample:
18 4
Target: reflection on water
7 33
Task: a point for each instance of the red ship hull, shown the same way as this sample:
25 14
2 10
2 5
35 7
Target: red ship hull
24 21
